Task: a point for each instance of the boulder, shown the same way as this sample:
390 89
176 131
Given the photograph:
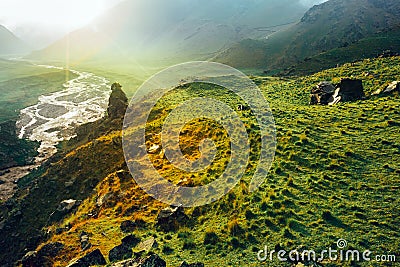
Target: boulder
51 249
152 261
119 253
123 251
130 241
118 102
169 219
325 93
351 90
93 258
65 207
394 86
31 259
147 244
128 226
322 93
84 238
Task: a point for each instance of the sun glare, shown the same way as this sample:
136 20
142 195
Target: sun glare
68 14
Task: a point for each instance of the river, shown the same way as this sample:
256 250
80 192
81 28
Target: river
55 117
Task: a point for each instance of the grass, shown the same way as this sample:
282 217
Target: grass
335 175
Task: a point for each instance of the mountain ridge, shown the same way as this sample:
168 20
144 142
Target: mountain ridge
184 30
11 44
330 25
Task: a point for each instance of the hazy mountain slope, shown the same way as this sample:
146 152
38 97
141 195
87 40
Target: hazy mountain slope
158 29
333 24
10 44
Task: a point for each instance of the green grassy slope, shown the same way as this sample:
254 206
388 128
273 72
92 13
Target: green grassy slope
335 175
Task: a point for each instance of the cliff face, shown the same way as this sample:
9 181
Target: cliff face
72 173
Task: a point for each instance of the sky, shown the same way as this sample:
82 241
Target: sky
41 22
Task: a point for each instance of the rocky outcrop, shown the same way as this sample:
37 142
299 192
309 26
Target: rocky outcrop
391 88
351 90
43 256
325 93
118 102
31 259
120 253
85 243
93 258
169 219
322 94
65 207
123 251
60 178
147 244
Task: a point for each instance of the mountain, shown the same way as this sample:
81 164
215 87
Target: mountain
155 30
10 44
330 25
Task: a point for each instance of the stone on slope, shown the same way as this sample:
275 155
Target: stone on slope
93 258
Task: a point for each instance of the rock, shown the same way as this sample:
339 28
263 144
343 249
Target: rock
154 149
322 93
119 253
93 258
242 108
169 219
351 90
124 176
147 244
84 238
51 250
65 207
130 241
152 260
197 264
325 93
31 259
125 263
394 86
118 102
123 251
128 226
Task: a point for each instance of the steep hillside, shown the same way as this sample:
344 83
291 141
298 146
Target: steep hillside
335 175
10 44
176 30
331 25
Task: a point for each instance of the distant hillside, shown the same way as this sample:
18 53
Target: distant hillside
176 29
333 24
10 44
